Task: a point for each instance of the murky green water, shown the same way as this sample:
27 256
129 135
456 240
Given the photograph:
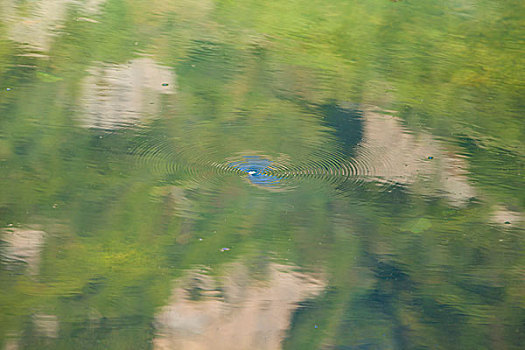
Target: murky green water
262 174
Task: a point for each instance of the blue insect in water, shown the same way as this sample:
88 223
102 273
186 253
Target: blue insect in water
257 169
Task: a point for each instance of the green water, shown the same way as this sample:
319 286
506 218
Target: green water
262 174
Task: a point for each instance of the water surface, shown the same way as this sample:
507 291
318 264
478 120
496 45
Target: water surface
262 175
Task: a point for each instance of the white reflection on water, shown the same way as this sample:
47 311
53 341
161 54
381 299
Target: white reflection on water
506 217
119 95
391 153
234 311
22 244
11 343
46 325
35 24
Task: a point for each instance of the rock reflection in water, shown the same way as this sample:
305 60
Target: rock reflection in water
123 95
391 153
35 24
506 217
235 311
46 325
22 245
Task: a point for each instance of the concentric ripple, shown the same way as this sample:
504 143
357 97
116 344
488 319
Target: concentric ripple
164 158
332 167
257 170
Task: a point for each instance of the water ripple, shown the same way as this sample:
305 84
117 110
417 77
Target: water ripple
164 158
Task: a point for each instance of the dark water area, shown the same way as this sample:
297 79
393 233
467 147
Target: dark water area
262 175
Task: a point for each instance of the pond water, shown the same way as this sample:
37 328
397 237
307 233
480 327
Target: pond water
262 174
